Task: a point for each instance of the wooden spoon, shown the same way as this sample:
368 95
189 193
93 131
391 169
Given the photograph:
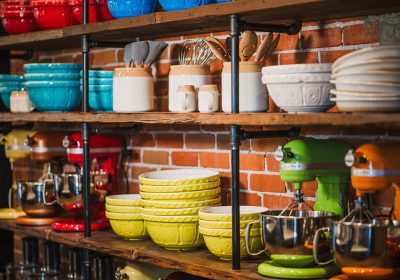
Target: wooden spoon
271 48
217 51
248 45
262 49
218 42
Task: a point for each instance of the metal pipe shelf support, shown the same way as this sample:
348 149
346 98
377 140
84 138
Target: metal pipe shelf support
237 26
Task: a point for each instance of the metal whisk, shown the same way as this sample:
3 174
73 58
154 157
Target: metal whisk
360 214
195 52
297 207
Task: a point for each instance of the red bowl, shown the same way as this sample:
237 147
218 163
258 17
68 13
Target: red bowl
76 6
13 24
104 12
52 14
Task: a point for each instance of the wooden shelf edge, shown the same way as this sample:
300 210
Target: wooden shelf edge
199 262
251 119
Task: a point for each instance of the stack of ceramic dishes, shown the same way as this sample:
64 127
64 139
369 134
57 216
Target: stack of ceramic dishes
53 87
172 199
125 214
368 80
101 90
299 88
8 84
215 225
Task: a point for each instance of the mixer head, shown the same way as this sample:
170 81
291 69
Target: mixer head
46 145
14 143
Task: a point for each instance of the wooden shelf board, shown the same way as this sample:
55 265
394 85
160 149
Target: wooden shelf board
198 20
258 119
198 262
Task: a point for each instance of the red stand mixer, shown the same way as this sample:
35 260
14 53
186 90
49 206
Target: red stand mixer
105 153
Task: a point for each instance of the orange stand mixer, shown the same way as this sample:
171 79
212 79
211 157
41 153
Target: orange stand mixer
367 246
45 148
105 152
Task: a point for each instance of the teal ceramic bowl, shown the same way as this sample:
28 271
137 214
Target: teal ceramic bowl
52 77
99 74
10 78
5 93
54 96
48 68
100 87
100 101
94 102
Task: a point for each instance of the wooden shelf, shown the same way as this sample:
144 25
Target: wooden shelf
204 19
259 119
199 262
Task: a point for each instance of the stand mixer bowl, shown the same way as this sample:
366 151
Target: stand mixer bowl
34 198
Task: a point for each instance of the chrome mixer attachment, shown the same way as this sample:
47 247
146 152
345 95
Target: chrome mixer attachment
297 205
360 214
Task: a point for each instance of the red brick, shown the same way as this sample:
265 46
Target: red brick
226 180
332 56
200 141
312 39
185 158
251 199
161 104
266 183
161 88
309 188
216 67
134 187
169 140
162 69
120 55
288 42
272 164
142 140
135 155
186 127
252 162
155 157
267 145
104 57
157 127
271 60
328 130
206 127
135 171
298 57
224 143
214 160
276 201
361 34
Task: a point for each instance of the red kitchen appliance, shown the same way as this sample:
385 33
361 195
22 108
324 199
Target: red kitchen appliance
105 152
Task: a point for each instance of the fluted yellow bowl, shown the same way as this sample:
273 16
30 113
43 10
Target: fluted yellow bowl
179 188
171 212
124 209
166 204
224 213
225 225
178 177
10 213
174 232
124 200
128 226
219 242
183 196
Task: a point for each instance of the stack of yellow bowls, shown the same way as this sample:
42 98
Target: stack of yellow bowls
215 225
125 214
172 199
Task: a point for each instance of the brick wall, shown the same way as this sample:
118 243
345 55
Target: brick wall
156 147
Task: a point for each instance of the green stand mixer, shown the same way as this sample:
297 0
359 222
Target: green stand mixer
288 233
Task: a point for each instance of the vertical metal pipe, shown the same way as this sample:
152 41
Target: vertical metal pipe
85 139
235 143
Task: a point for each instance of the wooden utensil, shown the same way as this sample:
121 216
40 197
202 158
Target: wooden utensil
247 45
262 49
217 51
217 42
271 48
228 46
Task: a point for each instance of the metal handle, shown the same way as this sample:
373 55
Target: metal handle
45 192
315 247
247 239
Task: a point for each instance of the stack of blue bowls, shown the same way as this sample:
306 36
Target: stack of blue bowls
53 87
101 90
8 84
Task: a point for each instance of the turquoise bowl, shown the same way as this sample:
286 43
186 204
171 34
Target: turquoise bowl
100 82
100 74
10 78
52 77
94 102
48 68
106 100
54 96
5 93
100 87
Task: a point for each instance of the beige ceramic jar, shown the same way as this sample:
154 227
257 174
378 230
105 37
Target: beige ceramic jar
133 90
20 102
252 93
195 75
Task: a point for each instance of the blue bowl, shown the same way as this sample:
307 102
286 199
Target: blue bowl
177 5
222 1
100 82
52 68
52 84
106 100
100 88
11 78
94 102
99 74
131 8
11 84
52 77
5 93
54 96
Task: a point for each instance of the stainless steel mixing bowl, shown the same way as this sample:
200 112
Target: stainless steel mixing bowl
32 196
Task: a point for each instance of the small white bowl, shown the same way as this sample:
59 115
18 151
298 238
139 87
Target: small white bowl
351 105
298 68
354 94
296 78
368 87
373 76
369 65
368 54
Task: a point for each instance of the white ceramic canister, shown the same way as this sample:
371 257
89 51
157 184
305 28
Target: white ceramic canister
253 95
195 75
20 102
186 99
133 90
208 99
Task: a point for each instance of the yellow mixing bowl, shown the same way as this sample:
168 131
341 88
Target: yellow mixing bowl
166 204
124 200
171 212
124 209
179 188
224 213
219 242
127 226
178 177
175 235
10 213
182 196
225 225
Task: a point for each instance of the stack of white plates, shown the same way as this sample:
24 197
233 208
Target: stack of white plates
368 80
